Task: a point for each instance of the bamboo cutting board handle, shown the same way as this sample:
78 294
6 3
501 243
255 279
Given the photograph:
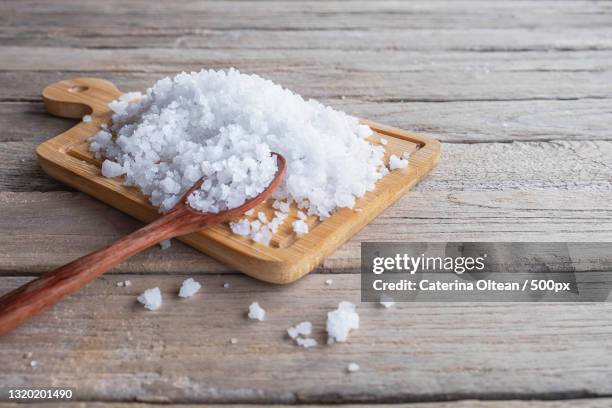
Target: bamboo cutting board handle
19 305
78 97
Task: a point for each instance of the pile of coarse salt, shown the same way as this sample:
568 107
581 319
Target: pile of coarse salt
223 126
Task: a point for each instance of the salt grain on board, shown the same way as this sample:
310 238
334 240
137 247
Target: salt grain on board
223 125
165 244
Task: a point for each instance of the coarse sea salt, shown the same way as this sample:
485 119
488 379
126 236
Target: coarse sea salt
300 332
397 162
340 322
151 298
386 301
189 288
165 244
256 312
222 126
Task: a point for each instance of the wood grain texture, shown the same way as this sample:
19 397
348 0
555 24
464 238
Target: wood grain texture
103 344
466 71
46 230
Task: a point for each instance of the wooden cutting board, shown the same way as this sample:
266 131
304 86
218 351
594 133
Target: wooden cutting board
66 158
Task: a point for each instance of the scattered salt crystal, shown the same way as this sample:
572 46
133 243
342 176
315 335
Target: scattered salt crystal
306 342
383 141
233 340
387 301
87 118
301 215
165 244
352 368
33 363
226 285
328 282
299 332
120 284
300 227
250 212
111 169
151 299
256 312
406 155
262 236
397 163
301 329
223 125
127 283
282 206
242 227
340 322
189 288
262 217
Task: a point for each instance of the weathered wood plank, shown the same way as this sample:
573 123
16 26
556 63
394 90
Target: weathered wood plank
307 15
578 403
105 346
46 230
399 38
369 75
471 122
574 165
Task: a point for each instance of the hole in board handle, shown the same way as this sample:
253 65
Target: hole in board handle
77 89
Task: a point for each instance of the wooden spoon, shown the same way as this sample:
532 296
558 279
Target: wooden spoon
32 298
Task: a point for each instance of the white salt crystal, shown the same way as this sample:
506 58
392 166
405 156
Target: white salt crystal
406 155
301 215
263 236
256 312
120 284
397 163
352 368
127 283
383 141
111 169
189 288
262 217
282 206
364 131
306 342
151 299
242 227
387 301
340 322
300 227
87 118
301 329
250 212
222 125
165 244
233 340
329 282
33 363
226 285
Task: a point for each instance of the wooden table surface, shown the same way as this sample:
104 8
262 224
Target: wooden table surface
520 94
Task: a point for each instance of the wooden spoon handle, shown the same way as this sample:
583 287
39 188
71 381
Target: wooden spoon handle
30 299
